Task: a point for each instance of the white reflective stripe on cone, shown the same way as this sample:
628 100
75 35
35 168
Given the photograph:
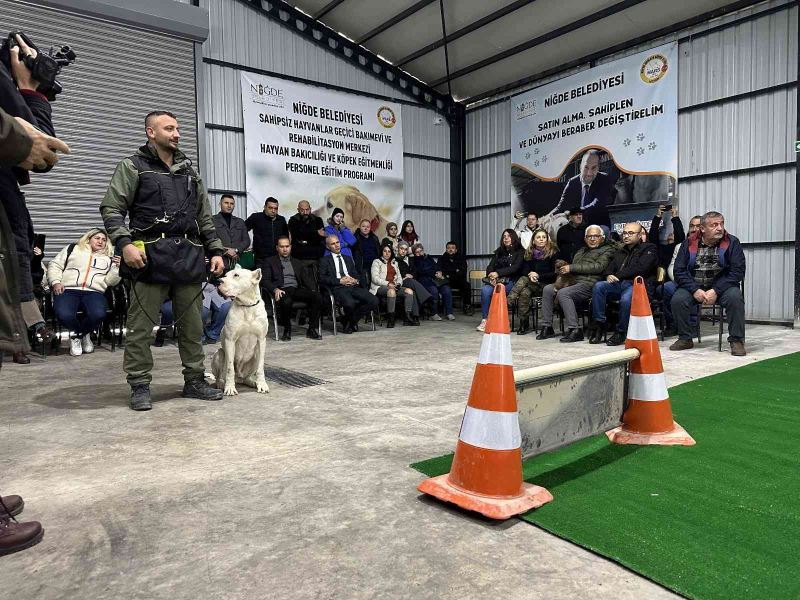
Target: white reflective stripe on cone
495 349
650 388
641 328
490 429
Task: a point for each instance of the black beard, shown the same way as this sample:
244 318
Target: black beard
304 218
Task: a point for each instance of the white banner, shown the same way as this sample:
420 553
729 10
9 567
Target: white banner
303 142
626 110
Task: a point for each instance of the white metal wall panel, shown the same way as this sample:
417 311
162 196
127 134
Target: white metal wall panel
740 134
432 227
425 132
488 181
223 95
225 168
117 79
426 182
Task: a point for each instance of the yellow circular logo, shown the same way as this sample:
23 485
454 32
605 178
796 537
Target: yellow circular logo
386 117
653 68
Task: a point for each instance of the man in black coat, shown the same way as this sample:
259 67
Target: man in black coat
635 258
339 274
308 234
287 279
231 230
453 265
590 191
267 227
569 238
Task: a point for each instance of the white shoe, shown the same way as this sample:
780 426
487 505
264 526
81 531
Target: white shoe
75 348
436 318
482 326
88 346
451 317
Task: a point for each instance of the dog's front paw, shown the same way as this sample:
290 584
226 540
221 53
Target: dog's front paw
230 390
262 387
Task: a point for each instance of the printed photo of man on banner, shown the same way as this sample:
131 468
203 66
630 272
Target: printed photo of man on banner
603 141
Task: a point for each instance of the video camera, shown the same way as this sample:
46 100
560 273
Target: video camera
44 68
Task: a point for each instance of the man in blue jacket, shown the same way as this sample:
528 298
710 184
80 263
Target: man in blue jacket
709 270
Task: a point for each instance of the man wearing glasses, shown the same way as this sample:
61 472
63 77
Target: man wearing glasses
635 258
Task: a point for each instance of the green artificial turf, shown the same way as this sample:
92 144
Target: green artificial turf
717 520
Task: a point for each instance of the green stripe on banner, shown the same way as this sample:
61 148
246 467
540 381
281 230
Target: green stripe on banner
716 520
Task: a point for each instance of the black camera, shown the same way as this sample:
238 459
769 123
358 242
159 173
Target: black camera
44 68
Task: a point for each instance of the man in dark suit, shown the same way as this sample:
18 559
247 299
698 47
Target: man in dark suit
231 230
287 279
339 274
590 191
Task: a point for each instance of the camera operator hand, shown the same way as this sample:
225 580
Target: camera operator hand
44 148
22 75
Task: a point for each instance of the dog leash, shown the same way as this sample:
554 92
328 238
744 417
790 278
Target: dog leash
175 322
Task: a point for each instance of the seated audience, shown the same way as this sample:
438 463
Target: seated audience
408 233
392 237
231 231
366 250
406 263
287 279
427 272
337 228
709 269
386 281
79 276
634 258
665 292
569 238
267 227
574 284
505 267
308 235
525 224
338 273
453 266
538 269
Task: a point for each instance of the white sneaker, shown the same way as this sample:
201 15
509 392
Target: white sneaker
436 318
75 348
88 346
451 317
482 326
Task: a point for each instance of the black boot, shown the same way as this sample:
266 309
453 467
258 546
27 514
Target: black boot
408 320
616 339
140 397
313 334
524 326
597 330
287 334
199 388
390 321
573 335
545 333
159 341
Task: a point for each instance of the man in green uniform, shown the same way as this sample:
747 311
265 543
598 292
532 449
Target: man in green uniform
164 248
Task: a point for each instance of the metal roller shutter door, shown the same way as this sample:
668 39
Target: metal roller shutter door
120 75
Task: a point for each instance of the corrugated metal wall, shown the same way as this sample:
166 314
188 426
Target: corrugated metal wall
736 127
243 37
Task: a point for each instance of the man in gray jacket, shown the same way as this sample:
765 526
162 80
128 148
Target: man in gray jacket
231 230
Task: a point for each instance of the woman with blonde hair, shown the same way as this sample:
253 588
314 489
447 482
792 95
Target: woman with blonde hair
78 277
538 269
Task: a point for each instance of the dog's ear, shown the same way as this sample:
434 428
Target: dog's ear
257 275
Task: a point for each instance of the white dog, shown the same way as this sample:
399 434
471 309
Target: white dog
240 358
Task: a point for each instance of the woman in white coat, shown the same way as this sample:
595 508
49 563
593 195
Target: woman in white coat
386 281
79 276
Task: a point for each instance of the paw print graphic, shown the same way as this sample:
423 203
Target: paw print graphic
640 137
536 151
527 155
640 151
544 158
626 142
536 163
651 146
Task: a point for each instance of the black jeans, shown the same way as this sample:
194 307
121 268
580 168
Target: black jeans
684 306
356 302
311 298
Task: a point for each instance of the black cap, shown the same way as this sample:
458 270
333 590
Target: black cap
575 210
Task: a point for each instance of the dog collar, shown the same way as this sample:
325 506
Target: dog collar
256 303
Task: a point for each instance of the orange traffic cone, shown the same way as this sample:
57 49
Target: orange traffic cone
486 475
648 418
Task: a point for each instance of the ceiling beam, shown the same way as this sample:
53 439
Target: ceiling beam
327 8
465 30
632 43
537 41
395 20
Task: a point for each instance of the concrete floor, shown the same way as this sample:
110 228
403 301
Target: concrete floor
303 493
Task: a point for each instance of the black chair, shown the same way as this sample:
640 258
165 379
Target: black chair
336 309
721 315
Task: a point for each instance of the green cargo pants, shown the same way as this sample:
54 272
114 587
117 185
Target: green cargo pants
145 304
